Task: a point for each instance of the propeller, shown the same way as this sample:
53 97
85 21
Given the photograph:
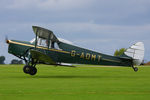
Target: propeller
6 39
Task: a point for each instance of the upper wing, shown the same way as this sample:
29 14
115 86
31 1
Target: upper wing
41 57
44 33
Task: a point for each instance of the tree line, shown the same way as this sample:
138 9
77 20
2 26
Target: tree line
13 61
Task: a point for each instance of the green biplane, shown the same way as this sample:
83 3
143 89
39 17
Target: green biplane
46 48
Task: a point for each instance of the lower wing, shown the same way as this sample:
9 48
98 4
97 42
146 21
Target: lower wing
41 57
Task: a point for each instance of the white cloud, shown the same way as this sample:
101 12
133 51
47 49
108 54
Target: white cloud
86 29
49 4
92 28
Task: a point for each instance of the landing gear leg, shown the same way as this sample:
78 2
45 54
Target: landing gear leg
30 68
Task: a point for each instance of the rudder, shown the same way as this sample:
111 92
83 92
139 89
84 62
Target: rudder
136 52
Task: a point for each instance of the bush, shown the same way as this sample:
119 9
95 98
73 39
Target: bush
119 52
2 59
15 61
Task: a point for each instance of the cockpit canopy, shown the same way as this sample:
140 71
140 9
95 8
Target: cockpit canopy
45 37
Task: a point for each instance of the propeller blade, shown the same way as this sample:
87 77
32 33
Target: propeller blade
6 39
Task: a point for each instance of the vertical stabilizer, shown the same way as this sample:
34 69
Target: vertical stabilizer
136 52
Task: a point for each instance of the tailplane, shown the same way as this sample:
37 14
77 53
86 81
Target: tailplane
136 52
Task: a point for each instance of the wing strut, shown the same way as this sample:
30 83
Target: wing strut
36 38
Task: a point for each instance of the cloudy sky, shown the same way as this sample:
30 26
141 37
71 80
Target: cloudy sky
100 25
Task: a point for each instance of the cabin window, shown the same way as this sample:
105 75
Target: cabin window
54 45
42 42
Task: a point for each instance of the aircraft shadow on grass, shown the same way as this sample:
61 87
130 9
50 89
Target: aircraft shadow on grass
84 77
78 76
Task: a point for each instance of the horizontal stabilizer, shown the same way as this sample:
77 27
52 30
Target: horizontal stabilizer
66 65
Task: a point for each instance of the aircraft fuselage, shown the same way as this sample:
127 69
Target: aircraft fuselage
68 54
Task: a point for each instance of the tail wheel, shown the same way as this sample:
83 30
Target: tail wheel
135 69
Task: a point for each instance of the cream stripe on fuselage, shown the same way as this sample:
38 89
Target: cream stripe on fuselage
30 45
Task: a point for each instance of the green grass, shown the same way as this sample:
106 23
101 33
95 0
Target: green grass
80 83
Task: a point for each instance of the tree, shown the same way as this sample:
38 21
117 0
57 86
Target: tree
15 61
119 52
2 59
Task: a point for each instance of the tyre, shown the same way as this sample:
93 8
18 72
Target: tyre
135 69
33 71
26 69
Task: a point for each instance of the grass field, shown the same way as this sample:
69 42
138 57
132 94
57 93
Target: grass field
80 83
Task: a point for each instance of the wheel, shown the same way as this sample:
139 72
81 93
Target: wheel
135 69
26 69
33 71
